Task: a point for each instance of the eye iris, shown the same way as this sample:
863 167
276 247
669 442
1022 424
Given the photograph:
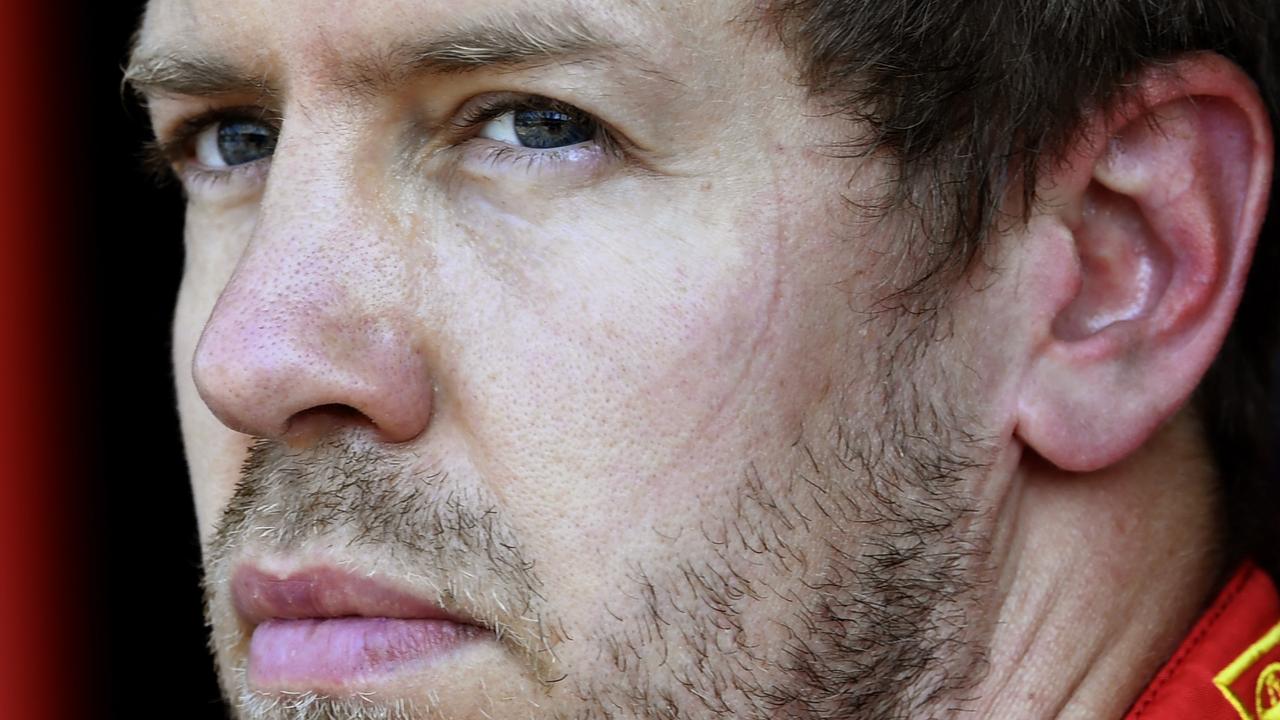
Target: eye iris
546 129
241 142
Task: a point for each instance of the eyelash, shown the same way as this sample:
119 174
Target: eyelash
173 158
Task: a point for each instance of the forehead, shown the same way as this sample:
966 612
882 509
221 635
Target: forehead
289 34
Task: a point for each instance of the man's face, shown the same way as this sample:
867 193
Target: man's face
558 320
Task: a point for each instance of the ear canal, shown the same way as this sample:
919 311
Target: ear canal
1123 268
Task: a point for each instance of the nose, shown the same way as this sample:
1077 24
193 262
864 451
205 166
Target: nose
312 333
298 369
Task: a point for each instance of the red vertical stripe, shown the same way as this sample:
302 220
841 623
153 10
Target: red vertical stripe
36 674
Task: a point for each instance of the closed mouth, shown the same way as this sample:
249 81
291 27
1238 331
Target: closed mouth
325 629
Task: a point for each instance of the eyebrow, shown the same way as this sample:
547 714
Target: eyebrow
174 73
502 42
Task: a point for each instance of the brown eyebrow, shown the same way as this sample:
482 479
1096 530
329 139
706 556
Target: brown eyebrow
500 42
175 73
513 41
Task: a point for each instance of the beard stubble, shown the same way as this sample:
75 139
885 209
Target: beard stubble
882 616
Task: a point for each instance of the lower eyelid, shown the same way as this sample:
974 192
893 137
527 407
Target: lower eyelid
238 178
572 155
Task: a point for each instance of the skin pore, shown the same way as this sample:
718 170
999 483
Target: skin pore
638 405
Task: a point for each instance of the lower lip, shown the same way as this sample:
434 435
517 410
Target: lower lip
335 653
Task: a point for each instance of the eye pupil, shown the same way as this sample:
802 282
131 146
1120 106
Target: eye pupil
241 142
546 129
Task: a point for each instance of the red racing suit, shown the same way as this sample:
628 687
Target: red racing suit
1228 668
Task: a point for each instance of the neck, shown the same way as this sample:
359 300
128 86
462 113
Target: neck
1101 577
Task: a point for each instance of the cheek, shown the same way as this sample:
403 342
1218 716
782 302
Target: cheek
634 368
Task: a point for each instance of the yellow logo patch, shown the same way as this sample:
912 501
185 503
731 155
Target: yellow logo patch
1251 683
1267 700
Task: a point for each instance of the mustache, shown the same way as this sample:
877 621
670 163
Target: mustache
378 511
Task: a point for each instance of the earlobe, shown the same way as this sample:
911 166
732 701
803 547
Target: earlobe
1163 207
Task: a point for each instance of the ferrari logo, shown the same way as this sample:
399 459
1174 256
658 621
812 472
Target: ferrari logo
1255 673
1268 695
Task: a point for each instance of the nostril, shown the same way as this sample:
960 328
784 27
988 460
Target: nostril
311 426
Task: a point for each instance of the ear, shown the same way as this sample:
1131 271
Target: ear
1145 241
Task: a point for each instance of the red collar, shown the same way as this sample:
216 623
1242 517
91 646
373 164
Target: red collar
1228 668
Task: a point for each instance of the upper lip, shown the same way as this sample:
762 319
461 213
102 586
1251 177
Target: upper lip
326 592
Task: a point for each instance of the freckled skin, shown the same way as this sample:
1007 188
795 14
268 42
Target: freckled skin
616 352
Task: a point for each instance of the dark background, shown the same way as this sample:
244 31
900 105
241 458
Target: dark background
152 659
133 553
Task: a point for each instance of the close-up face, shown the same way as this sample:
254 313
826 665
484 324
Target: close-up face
533 360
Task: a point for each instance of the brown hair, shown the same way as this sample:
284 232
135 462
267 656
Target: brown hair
971 99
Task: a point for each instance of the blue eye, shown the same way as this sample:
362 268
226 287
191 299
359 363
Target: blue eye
228 143
541 129
544 129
